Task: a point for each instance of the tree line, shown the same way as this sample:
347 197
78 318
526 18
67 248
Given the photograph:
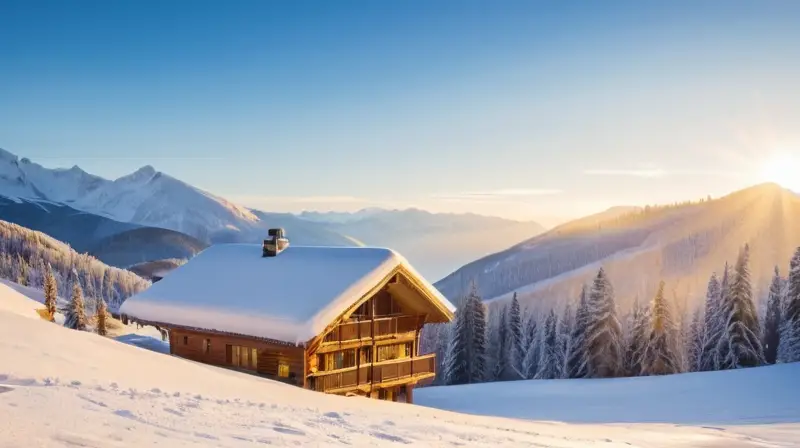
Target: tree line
589 338
26 257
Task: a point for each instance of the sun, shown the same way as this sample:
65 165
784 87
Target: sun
783 169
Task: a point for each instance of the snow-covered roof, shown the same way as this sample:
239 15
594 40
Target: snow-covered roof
291 297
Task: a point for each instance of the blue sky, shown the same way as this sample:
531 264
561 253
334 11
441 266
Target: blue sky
517 108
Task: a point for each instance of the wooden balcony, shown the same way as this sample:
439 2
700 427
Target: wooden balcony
375 328
398 370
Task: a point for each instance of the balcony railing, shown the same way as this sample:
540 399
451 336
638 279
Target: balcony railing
368 329
374 373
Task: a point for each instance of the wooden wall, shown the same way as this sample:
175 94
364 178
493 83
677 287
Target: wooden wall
269 354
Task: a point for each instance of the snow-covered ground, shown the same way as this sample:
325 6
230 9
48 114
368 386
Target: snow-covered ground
60 387
762 402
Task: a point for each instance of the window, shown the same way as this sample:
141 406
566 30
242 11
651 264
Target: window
244 360
246 357
186 340
283 370
206 345
340 360
399 351
363 310
365 355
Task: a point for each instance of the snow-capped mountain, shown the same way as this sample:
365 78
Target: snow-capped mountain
436 243
680 244
145 197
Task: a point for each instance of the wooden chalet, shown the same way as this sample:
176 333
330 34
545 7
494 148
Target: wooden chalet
341 320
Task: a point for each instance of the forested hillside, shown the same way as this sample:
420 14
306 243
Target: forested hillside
681 244
25 255
592 336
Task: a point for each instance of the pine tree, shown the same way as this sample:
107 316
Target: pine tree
740 344
101 317
772 320
548 358
789 346
661 353
637 341
517 339
479 340
467 353
713 323
576 356
50 292
694 347
565 325
530 362
603 332
74 312
501 350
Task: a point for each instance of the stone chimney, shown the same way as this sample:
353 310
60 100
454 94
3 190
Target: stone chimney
276 243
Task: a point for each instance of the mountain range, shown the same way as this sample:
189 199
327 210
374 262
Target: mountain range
681 244
148 215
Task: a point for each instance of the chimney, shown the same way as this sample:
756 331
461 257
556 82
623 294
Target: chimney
276 243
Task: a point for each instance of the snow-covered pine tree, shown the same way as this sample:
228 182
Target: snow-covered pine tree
500 349
444 349
637 340
479 340
517 337
772 319
713 323
789 347
548 358
50 292
576 356
661 352
694 343
75 312
740 344
530 363
605 354
565 325
458 353
101 317
467 353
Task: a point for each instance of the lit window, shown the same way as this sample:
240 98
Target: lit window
245 357
254 358
283 370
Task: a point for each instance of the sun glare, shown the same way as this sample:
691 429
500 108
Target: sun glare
783 169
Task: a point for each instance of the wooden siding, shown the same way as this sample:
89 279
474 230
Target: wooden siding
269 354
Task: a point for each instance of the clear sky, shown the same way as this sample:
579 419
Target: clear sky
525 109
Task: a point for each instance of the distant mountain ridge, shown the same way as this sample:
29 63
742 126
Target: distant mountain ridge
83 209
681 244
434 242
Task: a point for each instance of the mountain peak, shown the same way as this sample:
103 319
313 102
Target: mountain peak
146 170
144 173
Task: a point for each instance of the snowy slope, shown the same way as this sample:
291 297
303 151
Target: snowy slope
70 388
756 396
17 302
